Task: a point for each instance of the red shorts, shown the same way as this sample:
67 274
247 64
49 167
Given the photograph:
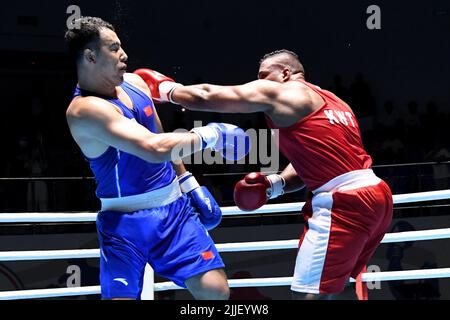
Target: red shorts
343 227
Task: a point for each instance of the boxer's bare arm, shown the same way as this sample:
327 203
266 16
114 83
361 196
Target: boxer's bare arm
293 181
256 96
93 120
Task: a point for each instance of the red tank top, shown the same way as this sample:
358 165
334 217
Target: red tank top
324 144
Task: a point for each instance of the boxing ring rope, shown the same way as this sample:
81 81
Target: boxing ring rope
435 234
233 283
227 211
286 281
226 247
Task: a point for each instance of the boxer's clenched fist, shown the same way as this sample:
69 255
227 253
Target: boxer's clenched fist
161 86
256 189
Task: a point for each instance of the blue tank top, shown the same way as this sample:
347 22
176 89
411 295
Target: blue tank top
120 174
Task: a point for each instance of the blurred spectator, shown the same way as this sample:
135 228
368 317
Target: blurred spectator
434 122
361 98
412 119
36 108
422 289
412 135
440 151
428 289
393 148
37 191
395 255
441 172
339 89
389 118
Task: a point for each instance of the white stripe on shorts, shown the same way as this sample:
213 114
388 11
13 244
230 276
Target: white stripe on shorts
311 255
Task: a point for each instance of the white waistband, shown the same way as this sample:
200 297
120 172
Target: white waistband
155 198
349 181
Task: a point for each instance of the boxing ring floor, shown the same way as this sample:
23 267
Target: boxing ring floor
150 286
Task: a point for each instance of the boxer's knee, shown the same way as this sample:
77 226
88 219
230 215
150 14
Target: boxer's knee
211 285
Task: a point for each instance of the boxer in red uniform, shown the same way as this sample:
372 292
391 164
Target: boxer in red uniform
351 207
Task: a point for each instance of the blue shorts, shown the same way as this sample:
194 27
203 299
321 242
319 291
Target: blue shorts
170 238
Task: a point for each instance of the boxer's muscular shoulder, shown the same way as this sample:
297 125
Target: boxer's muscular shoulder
293 94
83 110
294 101
79 113
81 107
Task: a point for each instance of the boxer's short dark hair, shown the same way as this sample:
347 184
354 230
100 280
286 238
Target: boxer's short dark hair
86 31
293 61
277 52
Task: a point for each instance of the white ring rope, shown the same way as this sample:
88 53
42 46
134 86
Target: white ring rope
435 234
366 277
49 293
49 254
227 247
227 211
233 283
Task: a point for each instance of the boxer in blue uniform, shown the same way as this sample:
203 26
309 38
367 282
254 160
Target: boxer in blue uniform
153 211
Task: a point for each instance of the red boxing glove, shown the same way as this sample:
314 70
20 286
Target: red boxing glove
161 86
256 189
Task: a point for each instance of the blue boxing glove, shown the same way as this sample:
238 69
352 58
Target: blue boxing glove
231 141
202 200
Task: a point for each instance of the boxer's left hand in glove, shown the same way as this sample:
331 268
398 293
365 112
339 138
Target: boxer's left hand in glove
256 189
202 200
